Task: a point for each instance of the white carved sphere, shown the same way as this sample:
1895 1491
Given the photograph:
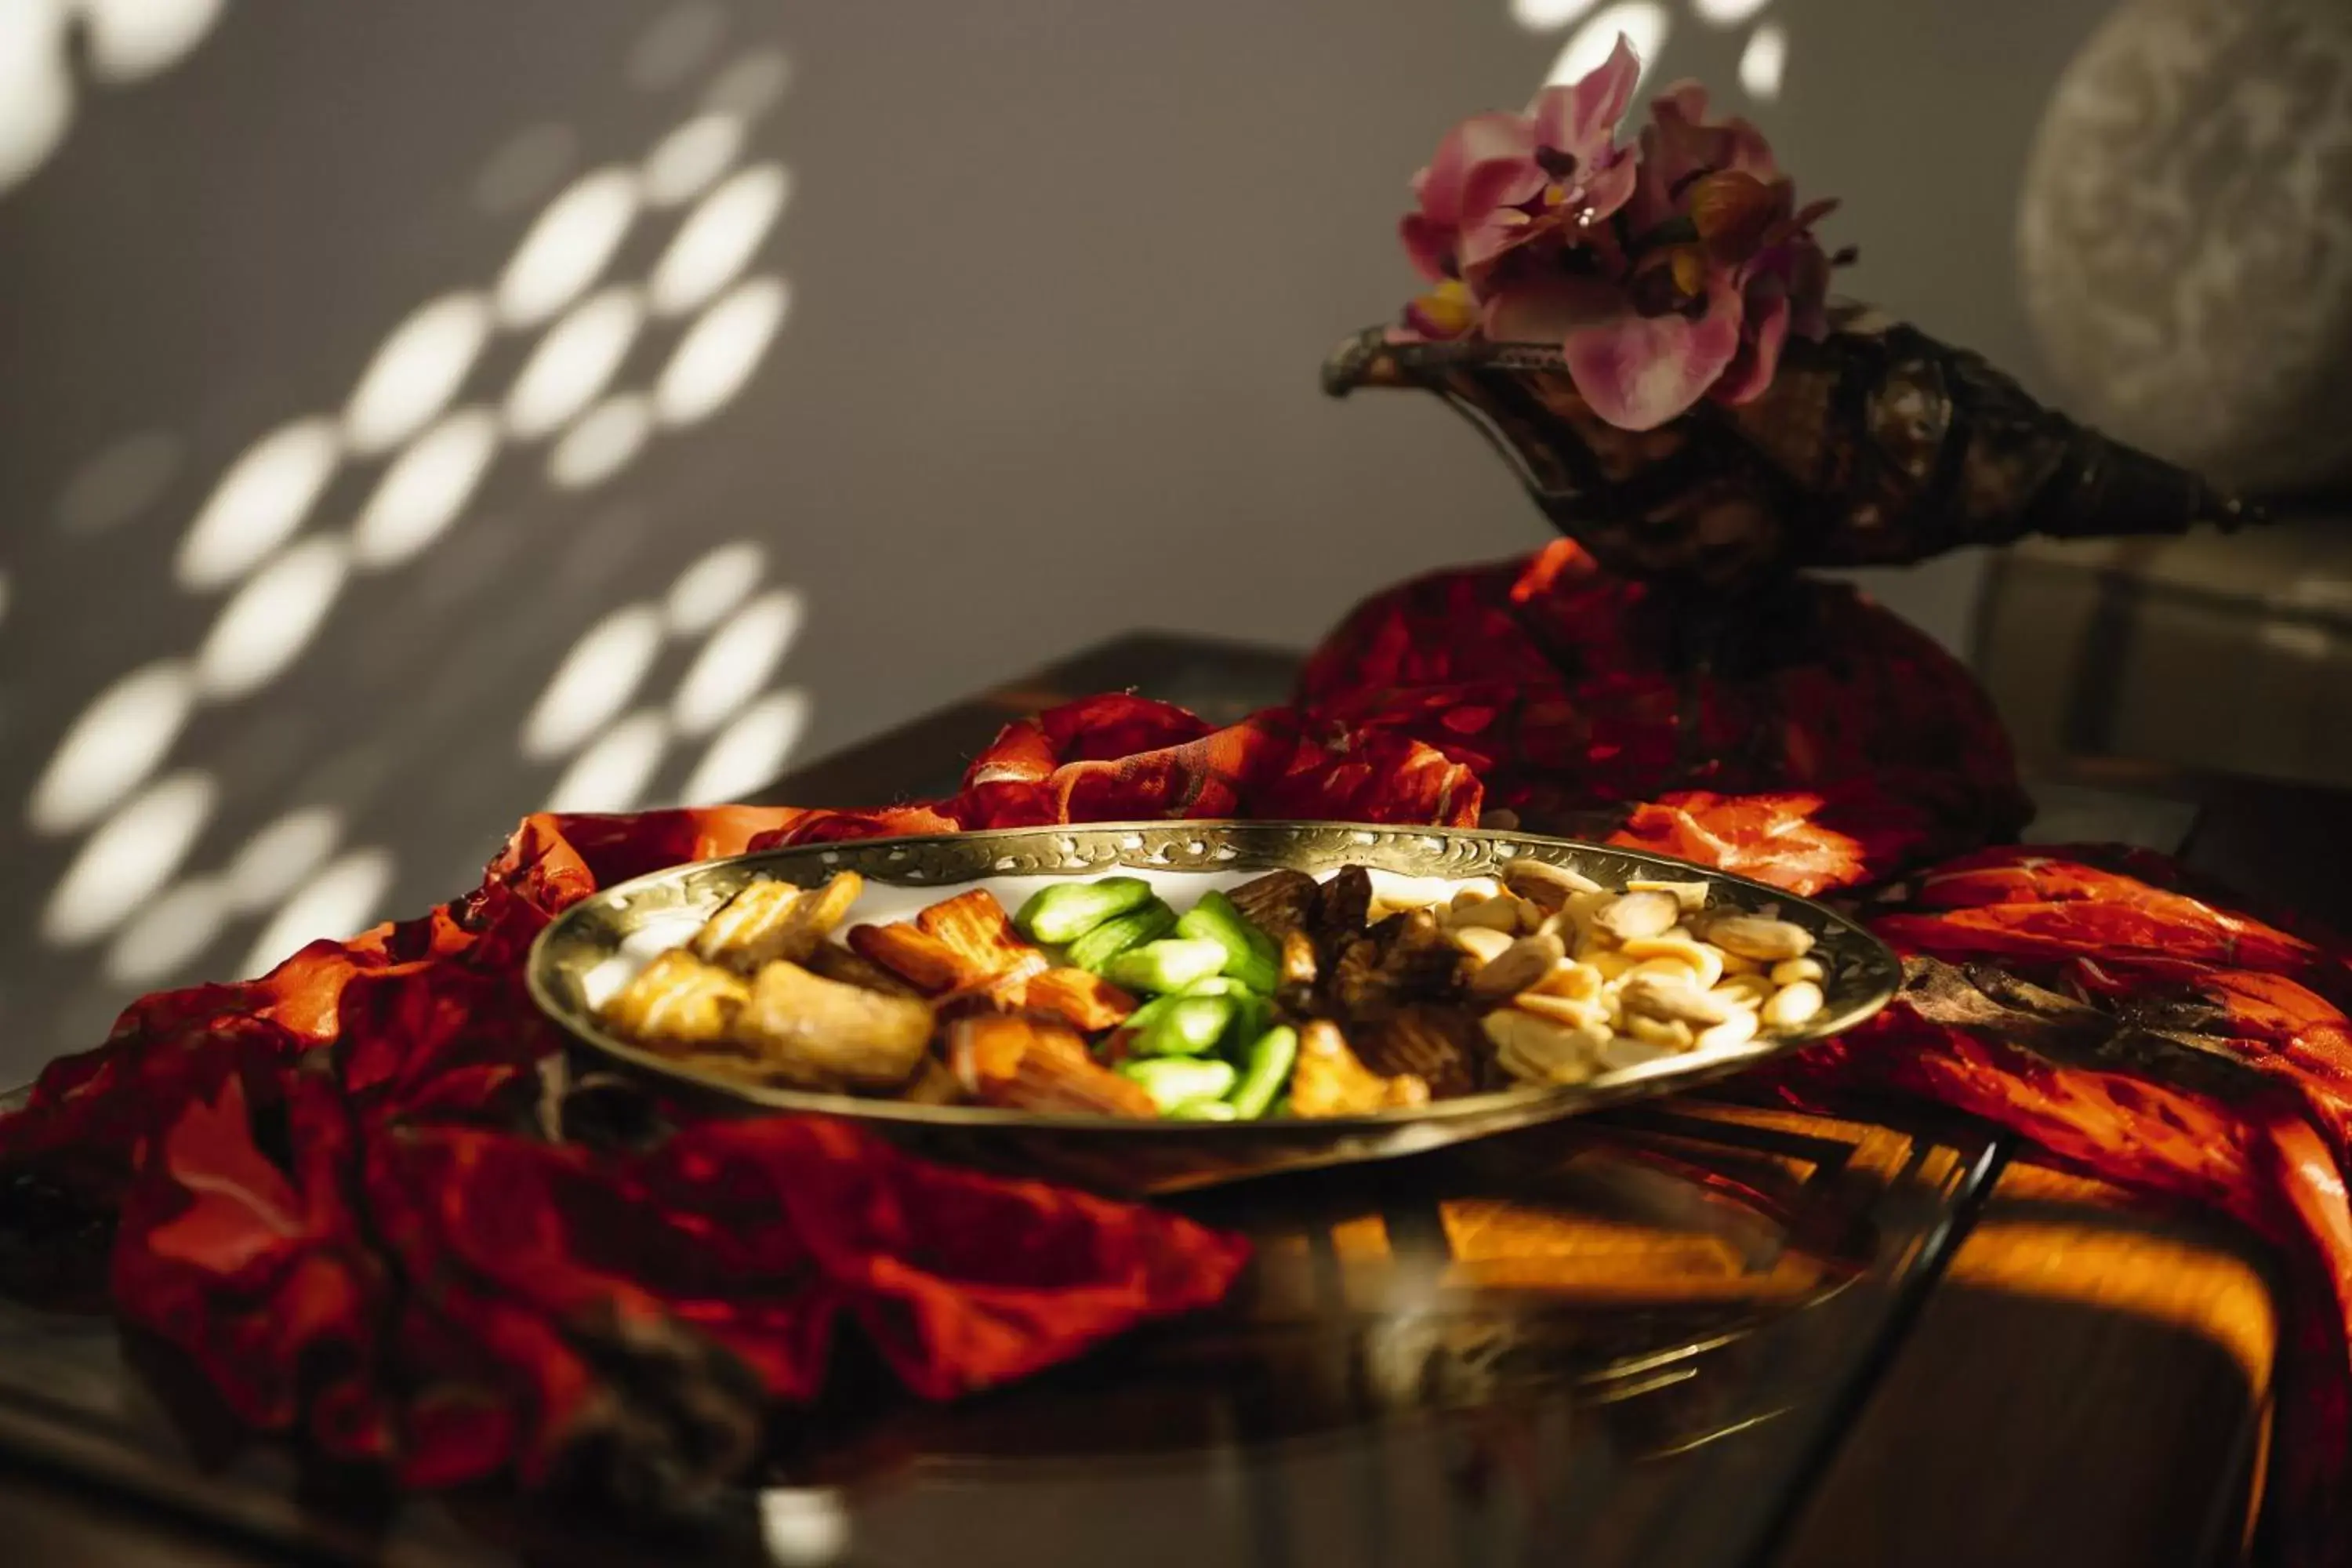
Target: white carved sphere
2186 236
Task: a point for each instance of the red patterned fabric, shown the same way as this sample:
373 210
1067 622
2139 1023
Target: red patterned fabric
1858 746
339 1191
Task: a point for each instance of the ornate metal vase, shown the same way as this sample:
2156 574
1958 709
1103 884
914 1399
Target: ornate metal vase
1875 446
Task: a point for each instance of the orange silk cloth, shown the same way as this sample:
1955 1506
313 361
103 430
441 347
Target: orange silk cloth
339 1194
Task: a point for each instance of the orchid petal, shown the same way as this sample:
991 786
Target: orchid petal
1746 151
1764 329
1683 102
1467 149
1808 288
1497 183
1429 244
1638 372
1574 119
1733 212
1608 190
1547 309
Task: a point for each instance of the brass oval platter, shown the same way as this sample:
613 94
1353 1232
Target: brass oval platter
592 949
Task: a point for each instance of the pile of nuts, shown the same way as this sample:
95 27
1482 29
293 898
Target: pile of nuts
1579 980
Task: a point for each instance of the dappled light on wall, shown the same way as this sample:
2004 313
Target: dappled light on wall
596 710
630 304
263 498
417 371
130 859
1648 24
124 41
117 741
595 681
601 443
720 352
271 619
573 363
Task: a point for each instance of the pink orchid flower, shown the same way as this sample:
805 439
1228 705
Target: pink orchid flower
1501 181
1486 166
1667 275
1667 272
1679 146
1576 141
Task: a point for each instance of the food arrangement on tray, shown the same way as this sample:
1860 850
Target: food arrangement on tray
1285 996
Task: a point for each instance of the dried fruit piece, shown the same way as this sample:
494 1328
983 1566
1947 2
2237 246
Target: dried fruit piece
1277 902
1329 1081
1792 1007
1540 1050
975 927
1691 897
1397 895
835 962
1417 956
1632 915
1703 964
1670 1034
1357 989
1081 1000
1575 1012
766 920
1500 914
1609 965
1736 1030
1526 964
1748 991
1569 978
1483 943
1299 965
678 1000
1758 937
1343 905
1034 1064
822 1034
1655 995
1545 885
1436 1044
1622 1051
961 946
924 962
